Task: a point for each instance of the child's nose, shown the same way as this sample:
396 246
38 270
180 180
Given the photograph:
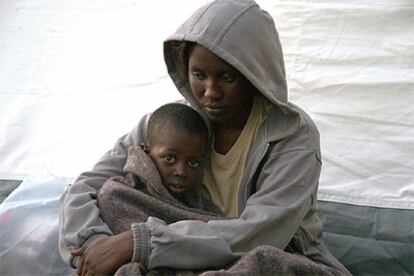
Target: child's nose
179 170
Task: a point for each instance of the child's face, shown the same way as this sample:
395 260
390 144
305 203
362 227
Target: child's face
179 157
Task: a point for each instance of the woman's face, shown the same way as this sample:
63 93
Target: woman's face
224 94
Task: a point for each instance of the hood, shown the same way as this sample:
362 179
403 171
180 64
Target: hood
228 28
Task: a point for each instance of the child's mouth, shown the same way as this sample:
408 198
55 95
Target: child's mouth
176 188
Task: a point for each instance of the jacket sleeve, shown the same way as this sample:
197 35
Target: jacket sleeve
79 220
287 184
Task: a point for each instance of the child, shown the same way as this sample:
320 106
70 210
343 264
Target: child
162 177
164 173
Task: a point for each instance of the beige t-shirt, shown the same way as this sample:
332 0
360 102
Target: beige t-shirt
222 175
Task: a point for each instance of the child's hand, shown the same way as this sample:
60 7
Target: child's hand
105 255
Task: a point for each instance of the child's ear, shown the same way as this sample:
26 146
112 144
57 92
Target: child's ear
145 148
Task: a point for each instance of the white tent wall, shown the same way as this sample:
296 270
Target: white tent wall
350 64
75 75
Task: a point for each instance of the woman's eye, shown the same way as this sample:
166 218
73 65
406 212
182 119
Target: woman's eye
169 159
228 77
193 164
198 75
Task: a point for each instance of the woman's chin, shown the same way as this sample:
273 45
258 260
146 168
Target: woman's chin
217 118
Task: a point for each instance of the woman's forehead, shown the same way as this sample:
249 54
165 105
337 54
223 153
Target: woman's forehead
202 57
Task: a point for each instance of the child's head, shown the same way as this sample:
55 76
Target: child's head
177 142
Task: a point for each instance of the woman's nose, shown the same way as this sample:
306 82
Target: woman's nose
212 90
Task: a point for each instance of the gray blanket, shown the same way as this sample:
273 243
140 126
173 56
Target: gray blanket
133 198
140 194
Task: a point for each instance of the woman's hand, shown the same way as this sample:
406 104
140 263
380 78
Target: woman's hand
105 255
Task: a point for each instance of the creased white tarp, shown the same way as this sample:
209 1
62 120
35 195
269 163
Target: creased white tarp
351 65
75 75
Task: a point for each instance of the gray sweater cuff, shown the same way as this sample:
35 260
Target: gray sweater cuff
141 236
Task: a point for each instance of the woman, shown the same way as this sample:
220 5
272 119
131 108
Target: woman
227 62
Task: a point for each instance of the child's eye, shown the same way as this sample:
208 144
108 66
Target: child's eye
170 159
228 77
198 75
193 163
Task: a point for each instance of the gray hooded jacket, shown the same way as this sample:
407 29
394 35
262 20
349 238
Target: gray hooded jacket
277 198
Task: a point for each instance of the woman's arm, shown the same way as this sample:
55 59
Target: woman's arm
79 221
272 216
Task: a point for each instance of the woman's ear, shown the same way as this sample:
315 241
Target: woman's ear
145 148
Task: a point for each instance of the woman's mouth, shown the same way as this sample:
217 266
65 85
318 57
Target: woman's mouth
214 110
